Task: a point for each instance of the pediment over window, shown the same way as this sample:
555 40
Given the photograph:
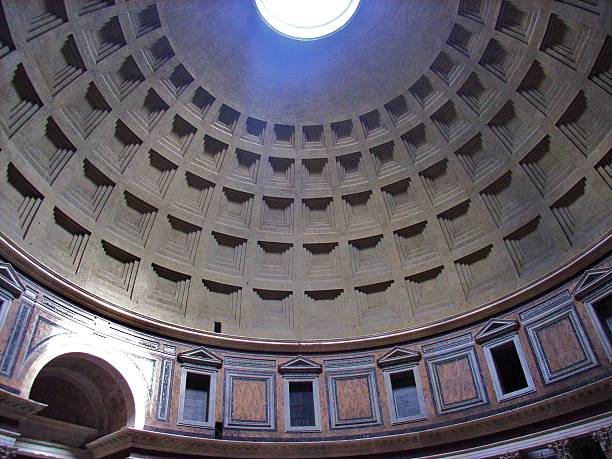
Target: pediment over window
398 355
494 328
200 356
591 280
9 280
299 364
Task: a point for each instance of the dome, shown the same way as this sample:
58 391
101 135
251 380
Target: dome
185 168
232 230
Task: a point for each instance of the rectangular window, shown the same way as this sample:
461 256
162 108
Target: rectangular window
197 388
197 402
302 411
301 404
5 301
405 394
600 310
603 310
508 368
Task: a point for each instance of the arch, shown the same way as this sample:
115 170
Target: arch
97 350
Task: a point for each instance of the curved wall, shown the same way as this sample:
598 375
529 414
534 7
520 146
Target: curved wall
566 361
158 201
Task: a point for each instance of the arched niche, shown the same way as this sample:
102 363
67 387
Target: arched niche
86 398
100 352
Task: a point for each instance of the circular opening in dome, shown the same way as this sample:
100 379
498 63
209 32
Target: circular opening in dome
306 19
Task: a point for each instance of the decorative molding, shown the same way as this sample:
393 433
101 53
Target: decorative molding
591 280
547 318
17 335
562 448
300 364
435 363
249 363
494 328
349 362
545 307
448 344
10 281
397 356
513 455
200 356
336 419
44 336
18 408
603 437
230 418
129 439
164 394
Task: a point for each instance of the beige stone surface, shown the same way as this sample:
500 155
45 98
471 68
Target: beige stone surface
430 158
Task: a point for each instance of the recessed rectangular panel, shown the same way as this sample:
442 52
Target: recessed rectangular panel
558 339
249 400
353 398
455 378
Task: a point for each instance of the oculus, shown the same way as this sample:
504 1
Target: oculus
306 19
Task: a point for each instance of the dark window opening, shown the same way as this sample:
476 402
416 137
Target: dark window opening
217 327
405 395
195 405
301 404
509 368
603 309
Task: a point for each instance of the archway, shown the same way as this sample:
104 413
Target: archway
86 398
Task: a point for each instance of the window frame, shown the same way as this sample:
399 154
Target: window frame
497 385
5 303
401 369
314 379
212 389
591 305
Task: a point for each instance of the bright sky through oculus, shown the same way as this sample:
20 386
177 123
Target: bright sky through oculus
306 19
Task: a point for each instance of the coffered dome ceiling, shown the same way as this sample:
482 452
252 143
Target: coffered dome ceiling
269 76
181 162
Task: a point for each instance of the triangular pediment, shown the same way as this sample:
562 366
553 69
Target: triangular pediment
9 280
591 280
200 356
398 355
494 328
299 364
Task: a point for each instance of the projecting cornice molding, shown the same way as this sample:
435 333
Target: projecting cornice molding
10 281
17 408
129 439
200 356
591 280
299 364
398 355
494 328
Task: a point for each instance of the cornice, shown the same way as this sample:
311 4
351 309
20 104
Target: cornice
18 408
571 401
